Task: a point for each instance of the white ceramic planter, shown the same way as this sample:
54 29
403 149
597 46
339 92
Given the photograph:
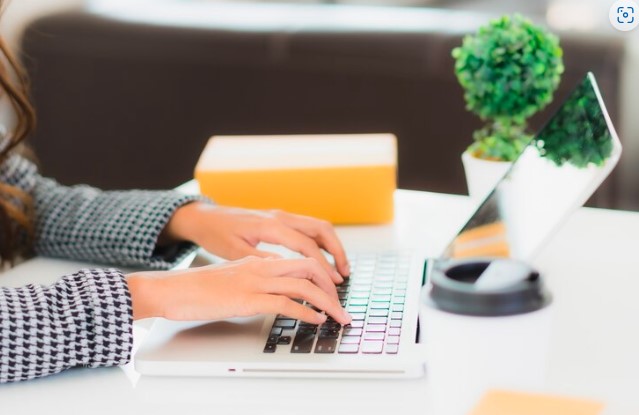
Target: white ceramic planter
482 175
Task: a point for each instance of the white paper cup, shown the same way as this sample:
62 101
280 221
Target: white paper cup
470 354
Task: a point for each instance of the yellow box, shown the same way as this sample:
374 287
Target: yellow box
345 179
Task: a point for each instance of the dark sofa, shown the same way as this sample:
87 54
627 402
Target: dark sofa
128 99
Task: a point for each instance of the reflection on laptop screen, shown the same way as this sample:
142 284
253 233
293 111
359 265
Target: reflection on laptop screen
556 173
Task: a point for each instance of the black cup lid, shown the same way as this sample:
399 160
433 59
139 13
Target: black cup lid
486 287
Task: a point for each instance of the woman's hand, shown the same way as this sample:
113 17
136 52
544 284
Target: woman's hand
234 233
241 288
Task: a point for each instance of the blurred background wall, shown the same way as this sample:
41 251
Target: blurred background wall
45 41
18 13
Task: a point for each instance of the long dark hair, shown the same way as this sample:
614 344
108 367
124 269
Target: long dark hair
16 218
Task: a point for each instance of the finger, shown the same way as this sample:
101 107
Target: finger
243 249
309 292
261 254
281 234
323 233
280 304
305 268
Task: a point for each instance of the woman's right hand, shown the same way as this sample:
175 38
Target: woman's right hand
242 288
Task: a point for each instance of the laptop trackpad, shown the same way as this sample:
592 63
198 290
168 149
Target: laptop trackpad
202 340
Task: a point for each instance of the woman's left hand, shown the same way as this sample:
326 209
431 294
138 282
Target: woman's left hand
234 233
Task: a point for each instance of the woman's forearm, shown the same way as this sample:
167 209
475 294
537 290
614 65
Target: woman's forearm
84 319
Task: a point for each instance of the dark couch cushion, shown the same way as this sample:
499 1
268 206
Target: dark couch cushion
129 102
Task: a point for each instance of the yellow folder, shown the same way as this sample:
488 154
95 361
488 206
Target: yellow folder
345 179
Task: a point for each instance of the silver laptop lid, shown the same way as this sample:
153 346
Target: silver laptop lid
556 173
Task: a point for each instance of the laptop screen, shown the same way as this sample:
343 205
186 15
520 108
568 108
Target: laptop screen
556 173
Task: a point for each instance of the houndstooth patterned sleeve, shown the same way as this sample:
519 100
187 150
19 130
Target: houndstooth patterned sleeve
112 227
82 320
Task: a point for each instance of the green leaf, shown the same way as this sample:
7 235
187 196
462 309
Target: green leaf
509 69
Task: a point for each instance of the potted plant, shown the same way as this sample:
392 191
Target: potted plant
509 70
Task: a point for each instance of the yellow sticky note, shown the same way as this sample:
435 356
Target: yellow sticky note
499 402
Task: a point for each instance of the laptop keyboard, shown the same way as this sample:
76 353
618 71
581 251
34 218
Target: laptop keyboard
374 296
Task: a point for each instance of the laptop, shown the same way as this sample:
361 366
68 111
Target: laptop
556 173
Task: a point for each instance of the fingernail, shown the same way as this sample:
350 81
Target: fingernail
321 317
339 277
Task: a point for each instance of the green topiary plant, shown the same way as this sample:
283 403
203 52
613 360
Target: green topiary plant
509 70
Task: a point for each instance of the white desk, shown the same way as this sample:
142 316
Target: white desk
591 267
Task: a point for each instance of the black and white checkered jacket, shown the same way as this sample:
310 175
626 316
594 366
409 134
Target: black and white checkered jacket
84 319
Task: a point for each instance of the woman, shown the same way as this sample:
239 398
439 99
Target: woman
85 319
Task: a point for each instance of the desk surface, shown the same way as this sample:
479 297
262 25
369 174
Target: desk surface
590 265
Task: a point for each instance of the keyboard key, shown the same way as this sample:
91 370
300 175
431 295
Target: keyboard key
376 328
362 287
276 331
372 347
358 316
330 325
272 339
373 336
350 340
383 284
377 320
394 331
284 340
392 340
307 330
270 348
357 323
398 300
380 305
362 294
378 313
285 323
392 348
382 291
303 343
329 334
381 298
358 301
364 275
325 345
397 307
356 309
396 323
350 331
397 315
348 348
